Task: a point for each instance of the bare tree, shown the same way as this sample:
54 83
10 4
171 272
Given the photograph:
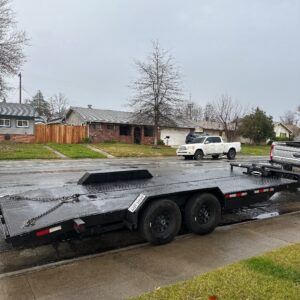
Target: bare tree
157 89
190 110
11 45
289 118
228 113
58 105
209 113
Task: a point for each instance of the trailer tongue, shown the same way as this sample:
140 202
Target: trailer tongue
156 206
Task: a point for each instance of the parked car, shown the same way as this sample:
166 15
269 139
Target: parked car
208 145
286 153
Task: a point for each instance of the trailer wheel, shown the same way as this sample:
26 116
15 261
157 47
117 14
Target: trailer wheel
198 155
202 213
160 222
231 154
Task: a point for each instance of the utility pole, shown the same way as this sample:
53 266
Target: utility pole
20 88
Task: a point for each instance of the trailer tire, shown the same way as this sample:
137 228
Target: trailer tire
231 154
202 213
160 222
198 155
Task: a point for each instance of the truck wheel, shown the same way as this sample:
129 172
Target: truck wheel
215 156
198 155
202 213
160 222
231 154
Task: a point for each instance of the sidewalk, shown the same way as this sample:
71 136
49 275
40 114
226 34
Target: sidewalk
121 274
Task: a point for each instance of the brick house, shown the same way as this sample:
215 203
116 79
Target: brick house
104 125
107 125
17 122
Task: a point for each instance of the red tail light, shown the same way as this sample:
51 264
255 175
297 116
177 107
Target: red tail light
271 152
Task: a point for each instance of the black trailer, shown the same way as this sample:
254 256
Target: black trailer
157 207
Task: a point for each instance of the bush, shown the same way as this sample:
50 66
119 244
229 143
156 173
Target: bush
160 142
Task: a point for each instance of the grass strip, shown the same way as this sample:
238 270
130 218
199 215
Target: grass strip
133 150
9 150
255 150
76 151
275 275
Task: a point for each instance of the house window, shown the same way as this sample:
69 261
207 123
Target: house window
22 123
4 123
148 131
96 126
110 127
282 135
125 130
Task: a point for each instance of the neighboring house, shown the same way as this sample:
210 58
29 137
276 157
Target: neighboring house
210 128
108 125
175 135
295 131
40 120
17 122
282 131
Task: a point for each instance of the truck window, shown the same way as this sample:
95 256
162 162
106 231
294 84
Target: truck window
217 139
199 140
210 140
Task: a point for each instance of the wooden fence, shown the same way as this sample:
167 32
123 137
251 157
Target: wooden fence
60 134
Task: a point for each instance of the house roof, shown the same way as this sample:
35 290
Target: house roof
118 117
210 125
17 110
284 125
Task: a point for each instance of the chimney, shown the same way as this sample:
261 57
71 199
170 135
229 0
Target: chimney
89 105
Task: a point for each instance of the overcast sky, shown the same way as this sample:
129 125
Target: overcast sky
249 50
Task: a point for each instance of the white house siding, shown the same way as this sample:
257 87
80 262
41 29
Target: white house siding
281 131
177 136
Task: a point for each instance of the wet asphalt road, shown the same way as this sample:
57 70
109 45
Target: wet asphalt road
20 176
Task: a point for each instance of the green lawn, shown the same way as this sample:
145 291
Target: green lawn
275 275
10 150
256 150
76 151
133 150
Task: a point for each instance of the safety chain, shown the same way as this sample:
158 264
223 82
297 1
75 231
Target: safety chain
62 200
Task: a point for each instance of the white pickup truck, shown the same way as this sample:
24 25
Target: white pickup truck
208 145
286 153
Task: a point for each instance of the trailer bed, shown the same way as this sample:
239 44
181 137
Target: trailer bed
108 203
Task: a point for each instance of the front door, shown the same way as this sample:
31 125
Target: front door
137 135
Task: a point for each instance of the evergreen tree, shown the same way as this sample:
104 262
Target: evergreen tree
41 106
257 126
